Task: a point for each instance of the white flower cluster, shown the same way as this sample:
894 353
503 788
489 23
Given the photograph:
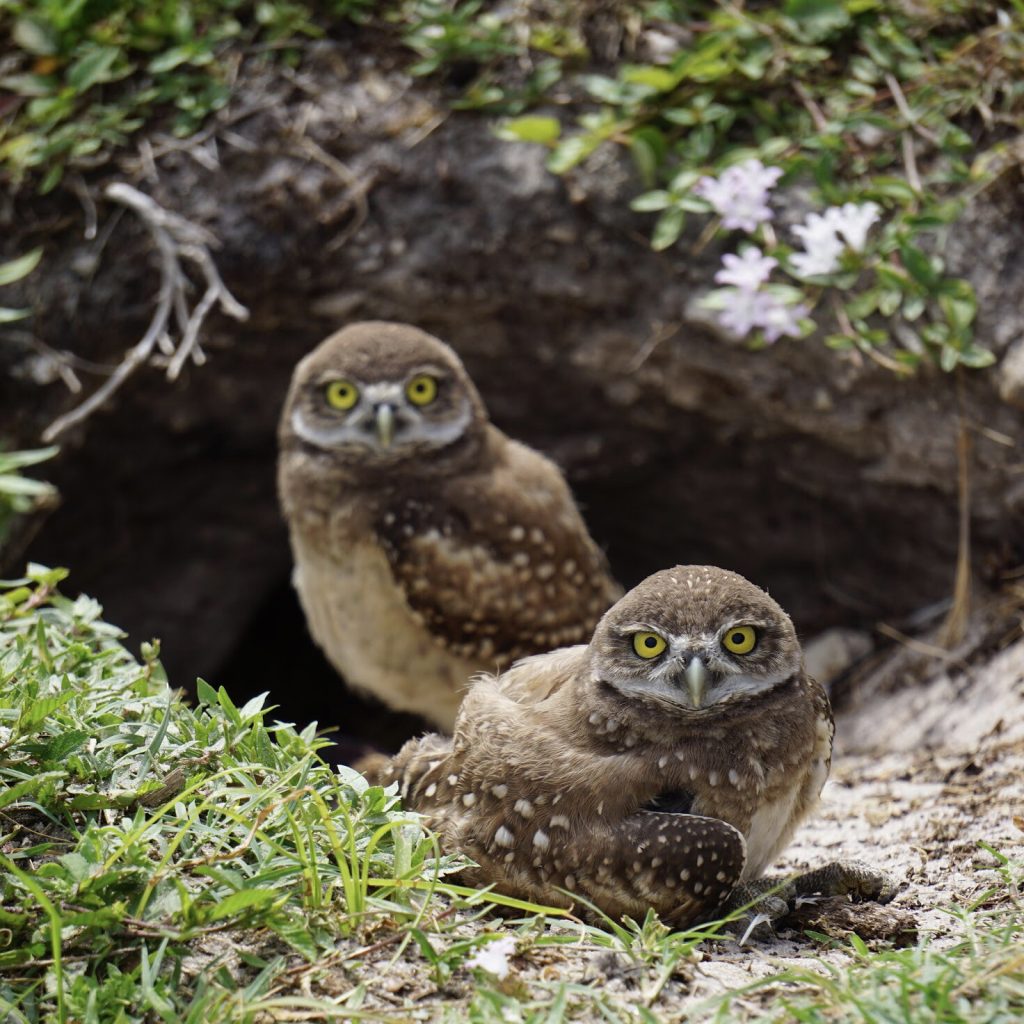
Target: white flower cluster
748 307
825 235
740 196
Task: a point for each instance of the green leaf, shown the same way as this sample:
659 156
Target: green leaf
92 67
15 270
651 202
685 179
34 714
913 307
10 794
30 85
839 342
863 305
657 78
239 902
884 187
681 116
889 300
959 312
51 179
919 266
8 316
817 18
648 149
668 228
545 130
61 746
977 357
35 36
205 693
603 88
11 484
568 153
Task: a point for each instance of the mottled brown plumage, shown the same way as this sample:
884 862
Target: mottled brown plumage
635 781
428 545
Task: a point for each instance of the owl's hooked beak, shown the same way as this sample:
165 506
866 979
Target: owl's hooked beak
696 680
385 418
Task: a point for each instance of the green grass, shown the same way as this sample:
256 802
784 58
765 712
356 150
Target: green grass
142 839
134 826
979 978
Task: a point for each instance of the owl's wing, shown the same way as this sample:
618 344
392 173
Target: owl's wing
531 680
683 865
500 565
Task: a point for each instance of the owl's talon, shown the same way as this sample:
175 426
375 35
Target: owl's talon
761 909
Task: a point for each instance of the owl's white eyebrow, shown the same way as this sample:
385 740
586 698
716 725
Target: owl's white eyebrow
627 628
431 368
330 376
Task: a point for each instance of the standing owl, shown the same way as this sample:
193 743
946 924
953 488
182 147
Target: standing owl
662 765
428 546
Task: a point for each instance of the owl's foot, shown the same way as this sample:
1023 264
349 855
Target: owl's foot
768 900
851 878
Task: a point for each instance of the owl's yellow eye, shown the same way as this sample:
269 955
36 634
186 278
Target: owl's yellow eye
740 639
648 645
341 394
422 389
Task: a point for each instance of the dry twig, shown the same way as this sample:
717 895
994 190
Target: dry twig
176 239
955 627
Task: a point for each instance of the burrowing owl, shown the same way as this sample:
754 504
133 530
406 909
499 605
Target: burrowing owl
428 545
660 766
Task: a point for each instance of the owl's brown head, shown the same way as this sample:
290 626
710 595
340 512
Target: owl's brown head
376 394
694 637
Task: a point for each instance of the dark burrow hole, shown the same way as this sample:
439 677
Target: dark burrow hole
276 653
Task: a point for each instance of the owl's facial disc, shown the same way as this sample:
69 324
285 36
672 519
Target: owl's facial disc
695 671
424 411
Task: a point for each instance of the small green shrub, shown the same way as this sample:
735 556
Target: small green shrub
906 107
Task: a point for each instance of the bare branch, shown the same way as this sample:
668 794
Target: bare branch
908 115
175 239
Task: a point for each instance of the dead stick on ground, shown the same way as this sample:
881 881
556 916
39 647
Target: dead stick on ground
955 626
175 238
